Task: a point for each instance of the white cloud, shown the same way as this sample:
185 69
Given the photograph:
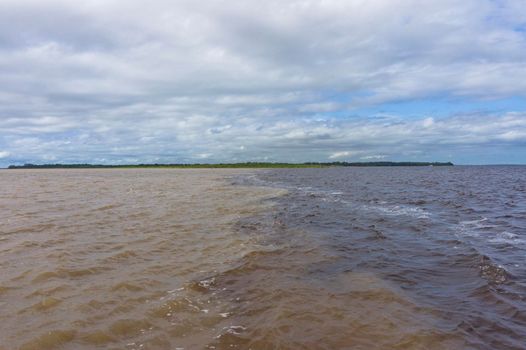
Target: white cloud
374 157
174 80
344 154
4 154
275 140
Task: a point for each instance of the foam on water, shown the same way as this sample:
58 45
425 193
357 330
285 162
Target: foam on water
508 238
405 210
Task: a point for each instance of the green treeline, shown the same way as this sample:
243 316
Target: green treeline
231 165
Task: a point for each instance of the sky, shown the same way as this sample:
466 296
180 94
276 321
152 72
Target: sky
176 81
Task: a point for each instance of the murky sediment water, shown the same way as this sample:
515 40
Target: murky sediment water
114 258
375 258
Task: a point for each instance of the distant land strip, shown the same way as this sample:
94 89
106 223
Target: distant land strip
231 165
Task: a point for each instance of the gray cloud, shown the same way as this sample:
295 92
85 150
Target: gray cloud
200 137
107 81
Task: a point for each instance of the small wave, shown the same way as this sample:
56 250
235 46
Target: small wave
474 228
398 210
50 340
127 286
230 337
492 272
479 223
63 273
97 338
175 306
129 327
107 207
236 330
471 227
506 237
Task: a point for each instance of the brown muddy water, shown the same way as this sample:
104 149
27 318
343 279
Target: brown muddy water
118 259
245 259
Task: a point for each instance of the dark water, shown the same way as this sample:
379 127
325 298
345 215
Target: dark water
443 251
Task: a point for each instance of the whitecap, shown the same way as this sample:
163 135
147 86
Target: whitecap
471 227
506 237
397 210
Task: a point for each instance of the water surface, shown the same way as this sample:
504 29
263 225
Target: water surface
444 249
114 259
333 258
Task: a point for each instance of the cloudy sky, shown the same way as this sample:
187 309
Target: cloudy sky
111 81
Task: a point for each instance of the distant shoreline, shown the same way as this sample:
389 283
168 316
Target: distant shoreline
231 165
